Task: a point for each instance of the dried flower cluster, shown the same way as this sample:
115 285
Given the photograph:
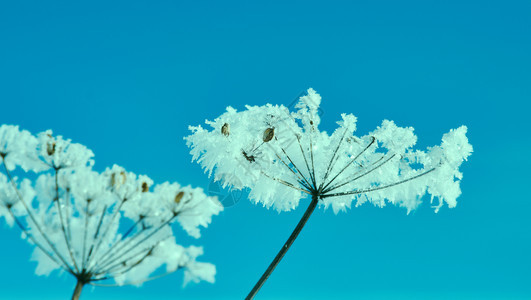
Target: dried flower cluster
113 225
283 157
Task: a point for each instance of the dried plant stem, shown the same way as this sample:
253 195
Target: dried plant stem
63 228
77 290
284 248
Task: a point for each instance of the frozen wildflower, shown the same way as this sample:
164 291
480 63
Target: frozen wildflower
113 225
281 156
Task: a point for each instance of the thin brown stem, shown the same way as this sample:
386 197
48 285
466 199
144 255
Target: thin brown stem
286 183
349 163
86 262
104 262
302 179
85 235
77 290
311 155
378 187
284 248
34 220
114 267
102 237
332 161
63 228
34 241
357 177
306 162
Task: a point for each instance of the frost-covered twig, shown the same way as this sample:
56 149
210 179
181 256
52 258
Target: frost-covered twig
294 159
112 225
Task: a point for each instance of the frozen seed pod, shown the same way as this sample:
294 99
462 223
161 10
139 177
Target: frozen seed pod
50 149
178 197
145 187
225 129
269 133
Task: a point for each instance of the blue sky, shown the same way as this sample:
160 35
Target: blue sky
127 78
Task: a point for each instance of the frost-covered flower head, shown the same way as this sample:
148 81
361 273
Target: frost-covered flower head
282 156
98 226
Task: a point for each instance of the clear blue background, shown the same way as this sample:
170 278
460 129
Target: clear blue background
126 79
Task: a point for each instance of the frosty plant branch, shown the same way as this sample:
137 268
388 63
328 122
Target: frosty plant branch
284 248
75 216
282 157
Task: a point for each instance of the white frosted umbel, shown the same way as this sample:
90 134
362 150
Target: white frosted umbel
113 225
379 167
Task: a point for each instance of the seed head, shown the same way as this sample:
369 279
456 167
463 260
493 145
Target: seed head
50 149
145 187
225 129
269 133
116 182
178 197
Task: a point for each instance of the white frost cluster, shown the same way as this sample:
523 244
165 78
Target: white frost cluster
97 226
282 156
